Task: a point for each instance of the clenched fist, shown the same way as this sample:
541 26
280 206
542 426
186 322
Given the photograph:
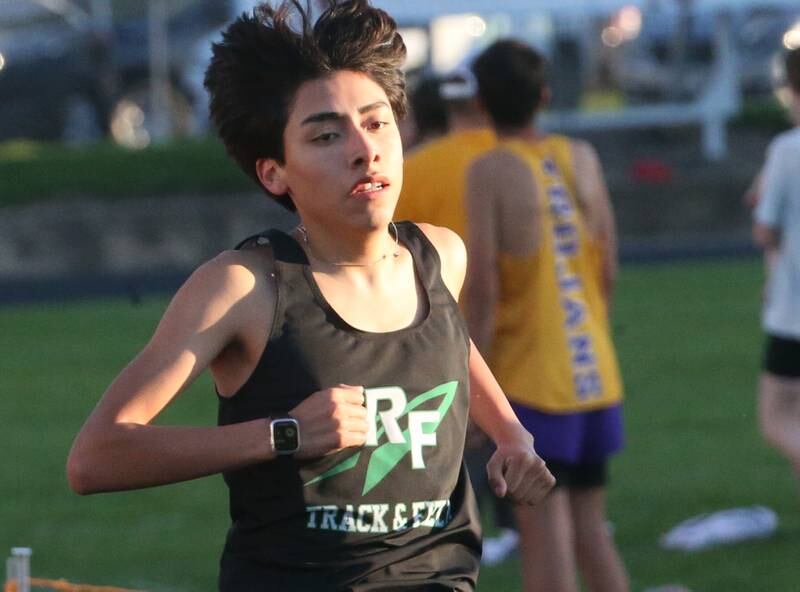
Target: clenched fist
515 471
330 420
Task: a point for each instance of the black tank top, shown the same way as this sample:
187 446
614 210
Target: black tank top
397 514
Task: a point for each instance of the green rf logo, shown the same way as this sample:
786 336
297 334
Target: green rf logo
421 424
388 442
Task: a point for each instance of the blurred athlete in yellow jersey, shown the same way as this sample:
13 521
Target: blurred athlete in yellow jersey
542 250
434 174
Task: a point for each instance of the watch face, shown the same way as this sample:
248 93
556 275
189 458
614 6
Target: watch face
285 435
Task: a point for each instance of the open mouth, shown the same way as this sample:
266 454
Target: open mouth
369 187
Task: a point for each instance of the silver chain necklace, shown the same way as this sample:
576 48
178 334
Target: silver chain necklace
396 253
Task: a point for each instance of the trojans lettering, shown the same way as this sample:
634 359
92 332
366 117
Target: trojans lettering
586 377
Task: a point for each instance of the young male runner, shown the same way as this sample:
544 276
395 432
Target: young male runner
343 368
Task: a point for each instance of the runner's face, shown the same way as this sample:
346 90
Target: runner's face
343 154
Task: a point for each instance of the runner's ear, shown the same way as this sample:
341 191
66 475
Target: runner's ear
271 175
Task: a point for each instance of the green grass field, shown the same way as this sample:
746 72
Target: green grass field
689 344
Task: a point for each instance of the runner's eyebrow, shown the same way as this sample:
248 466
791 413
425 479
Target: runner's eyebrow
334 116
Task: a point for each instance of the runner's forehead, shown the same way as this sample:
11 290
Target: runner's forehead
336 96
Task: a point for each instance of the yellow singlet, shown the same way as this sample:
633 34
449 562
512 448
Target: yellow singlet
552 350
434 179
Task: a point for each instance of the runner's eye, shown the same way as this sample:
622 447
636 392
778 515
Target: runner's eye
325 138
376 125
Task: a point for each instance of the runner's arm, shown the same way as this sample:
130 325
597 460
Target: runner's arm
481 291
596 204
515 470
118 448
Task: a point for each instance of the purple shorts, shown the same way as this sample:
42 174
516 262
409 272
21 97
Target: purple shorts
574 438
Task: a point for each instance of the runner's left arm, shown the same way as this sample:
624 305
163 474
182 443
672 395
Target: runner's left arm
598 211
515 470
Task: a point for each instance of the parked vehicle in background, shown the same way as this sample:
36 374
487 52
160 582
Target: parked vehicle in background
63 78
673 50
189 27
56 77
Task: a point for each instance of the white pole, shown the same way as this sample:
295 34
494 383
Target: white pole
723 99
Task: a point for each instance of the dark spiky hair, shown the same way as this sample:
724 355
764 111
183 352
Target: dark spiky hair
264 57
